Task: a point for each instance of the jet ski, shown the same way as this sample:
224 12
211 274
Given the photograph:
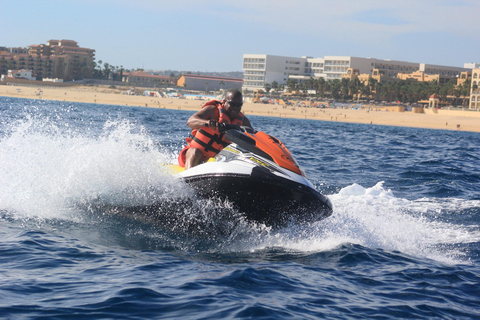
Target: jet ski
261 179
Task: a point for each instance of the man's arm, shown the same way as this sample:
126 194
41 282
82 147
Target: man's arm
202 117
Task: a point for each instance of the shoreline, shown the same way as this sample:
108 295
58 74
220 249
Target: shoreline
455 120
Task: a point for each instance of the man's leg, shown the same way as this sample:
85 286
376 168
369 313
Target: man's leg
193 157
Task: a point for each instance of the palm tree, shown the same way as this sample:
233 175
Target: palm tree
446 90
335 88
327 87
356 87
466 90
291 84
268 87
457 92
310 84
320 86
378 90
274 85
345 85
121 73
106 66
302 86
365 91
372 84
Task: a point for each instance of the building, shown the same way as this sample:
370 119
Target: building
421 76
62 59
20 74
145 79
208 83
475 90
376 74
262 69
471 65
17 50
69 61
41 66
464 76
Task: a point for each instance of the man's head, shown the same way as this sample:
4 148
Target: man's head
233 103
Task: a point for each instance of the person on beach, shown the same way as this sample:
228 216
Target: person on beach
206 140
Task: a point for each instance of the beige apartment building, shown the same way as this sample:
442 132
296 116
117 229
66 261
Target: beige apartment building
376 74
419 76
62 59
475 90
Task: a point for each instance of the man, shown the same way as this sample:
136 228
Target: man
206 140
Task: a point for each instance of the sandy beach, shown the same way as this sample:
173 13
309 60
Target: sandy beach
432 119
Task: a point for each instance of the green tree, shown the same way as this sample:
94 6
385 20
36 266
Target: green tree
291 84
302 86
345 87
446 90
268 87
365 91
275 85
335 87
320 86
121 73
466 90
378 90
106 70
356 86
311 84
372 83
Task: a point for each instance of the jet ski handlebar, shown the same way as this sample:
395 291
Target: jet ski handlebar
222 127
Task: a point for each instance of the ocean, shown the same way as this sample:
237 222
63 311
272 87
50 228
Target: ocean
403 241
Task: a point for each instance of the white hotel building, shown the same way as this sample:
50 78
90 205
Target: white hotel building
261 69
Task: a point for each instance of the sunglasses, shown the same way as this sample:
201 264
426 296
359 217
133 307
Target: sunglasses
235 104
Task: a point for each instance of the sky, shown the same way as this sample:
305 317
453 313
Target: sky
211 35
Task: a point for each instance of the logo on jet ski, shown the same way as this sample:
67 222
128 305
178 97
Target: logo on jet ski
231 150
260 162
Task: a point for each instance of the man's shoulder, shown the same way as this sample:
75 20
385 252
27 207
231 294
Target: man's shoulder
214 103
210 111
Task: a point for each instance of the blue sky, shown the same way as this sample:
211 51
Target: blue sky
213 35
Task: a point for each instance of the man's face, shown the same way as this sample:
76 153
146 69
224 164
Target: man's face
233 105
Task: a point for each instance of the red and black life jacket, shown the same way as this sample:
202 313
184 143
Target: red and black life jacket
210 141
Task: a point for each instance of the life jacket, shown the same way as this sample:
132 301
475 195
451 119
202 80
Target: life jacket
210 141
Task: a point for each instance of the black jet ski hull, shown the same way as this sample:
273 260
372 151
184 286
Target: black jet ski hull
263 197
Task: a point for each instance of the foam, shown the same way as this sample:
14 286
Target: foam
46 170
375 218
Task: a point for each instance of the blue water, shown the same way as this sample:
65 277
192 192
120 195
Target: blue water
403 241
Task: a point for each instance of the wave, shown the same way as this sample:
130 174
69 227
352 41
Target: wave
50 173
44 169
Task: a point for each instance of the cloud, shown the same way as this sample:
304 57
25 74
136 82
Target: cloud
216 33
351 20
327 27
379 17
